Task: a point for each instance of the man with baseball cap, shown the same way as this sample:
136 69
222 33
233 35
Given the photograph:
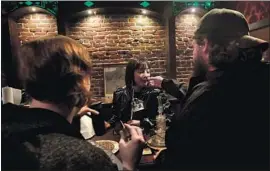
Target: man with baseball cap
224 123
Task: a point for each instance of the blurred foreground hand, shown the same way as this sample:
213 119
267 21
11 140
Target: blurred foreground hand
86 110
130 148
134 122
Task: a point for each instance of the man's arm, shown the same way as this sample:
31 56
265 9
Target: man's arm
171 87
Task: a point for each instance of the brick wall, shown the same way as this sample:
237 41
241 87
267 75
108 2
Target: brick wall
113 39
36 25
185 26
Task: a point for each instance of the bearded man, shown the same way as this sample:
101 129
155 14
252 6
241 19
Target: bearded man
224 121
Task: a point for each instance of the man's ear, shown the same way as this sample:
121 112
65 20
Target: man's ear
206 46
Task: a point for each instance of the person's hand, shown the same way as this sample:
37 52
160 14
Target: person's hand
155 81
107 124
131 151
134 122
86 110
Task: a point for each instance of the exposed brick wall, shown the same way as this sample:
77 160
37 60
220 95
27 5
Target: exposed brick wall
113 39
185 26
36 25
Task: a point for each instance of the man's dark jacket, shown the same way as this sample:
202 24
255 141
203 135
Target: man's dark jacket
224 123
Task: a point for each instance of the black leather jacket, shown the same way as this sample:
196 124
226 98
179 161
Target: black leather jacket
122 106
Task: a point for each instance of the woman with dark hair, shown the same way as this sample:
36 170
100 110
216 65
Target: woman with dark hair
137 103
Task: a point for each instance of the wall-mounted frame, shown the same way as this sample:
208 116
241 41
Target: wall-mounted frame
114 77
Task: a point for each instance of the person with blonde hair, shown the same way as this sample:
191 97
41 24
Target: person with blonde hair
55 72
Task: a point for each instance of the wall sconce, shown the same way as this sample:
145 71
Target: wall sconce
33 9
92 12
193 9
144 12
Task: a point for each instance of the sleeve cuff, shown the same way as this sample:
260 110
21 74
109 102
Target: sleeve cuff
164 82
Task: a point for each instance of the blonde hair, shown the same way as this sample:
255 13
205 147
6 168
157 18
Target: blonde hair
52 69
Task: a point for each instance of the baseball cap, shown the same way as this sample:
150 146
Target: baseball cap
225 25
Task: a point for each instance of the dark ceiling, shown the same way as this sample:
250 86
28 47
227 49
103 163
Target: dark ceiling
157 6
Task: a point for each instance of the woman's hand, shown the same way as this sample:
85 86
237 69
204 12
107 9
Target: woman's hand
131 151
86 110
134 122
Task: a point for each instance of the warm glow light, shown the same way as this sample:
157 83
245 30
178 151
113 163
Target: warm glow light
144 11
95 12
193 9
89 12
141 20
95 19
33 9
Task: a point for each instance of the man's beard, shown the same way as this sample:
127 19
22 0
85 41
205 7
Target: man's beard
200 68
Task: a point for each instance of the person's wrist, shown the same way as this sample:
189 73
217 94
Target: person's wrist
127 166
